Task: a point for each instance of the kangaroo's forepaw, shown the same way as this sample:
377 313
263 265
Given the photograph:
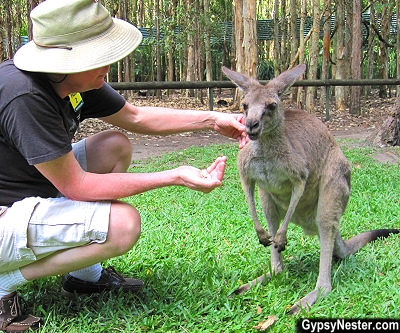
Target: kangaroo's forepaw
280 243
264 238
265 241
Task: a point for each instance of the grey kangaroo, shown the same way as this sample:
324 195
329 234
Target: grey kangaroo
301 174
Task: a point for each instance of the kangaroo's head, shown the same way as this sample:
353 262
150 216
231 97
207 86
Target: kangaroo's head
261 104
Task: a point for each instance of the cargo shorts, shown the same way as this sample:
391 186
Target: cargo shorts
35 227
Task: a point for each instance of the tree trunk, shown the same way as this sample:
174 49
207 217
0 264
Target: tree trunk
126 62
383 60
389 133
398 46
250 38
277 48
1 40
314 51
284 62
356 58
198 43
8 29
132 12
295 42
300 91
238 18
158 46
371 51
340 54
207 43
327 46
191 61
348 41
170 48
238 61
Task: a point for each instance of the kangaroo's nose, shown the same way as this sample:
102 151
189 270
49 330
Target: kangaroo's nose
252 126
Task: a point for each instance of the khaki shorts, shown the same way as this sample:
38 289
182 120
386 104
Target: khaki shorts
36 227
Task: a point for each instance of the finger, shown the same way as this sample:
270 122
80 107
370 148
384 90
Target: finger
220 170
240 123
242 140
214 165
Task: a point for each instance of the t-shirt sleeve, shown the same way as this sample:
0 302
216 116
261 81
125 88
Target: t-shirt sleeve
35 129
101 102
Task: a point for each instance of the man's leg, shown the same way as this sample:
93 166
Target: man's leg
123 233
105 152
91 156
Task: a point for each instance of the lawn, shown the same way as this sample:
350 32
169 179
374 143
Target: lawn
196 248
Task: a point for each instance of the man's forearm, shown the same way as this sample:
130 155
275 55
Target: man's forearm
95 187
169 121
161 121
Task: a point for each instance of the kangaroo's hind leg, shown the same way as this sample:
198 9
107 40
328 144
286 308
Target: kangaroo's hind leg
331 205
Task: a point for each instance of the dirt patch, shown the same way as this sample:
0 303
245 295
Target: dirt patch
386 156
147 145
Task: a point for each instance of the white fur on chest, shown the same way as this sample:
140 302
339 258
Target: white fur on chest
263 168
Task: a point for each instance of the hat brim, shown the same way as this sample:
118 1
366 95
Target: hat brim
116 43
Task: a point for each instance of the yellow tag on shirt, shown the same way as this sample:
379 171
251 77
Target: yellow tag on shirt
76 100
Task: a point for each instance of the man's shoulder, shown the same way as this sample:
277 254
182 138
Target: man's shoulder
12 80
15 83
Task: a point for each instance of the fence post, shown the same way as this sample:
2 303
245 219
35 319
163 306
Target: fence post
327 98
210 98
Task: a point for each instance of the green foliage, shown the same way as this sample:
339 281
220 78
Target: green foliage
265 70
197 248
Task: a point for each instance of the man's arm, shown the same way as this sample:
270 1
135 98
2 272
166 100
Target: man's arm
164 121
74 183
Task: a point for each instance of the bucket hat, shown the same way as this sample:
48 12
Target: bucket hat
72 36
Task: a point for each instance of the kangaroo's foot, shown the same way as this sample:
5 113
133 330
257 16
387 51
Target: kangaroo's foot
307 301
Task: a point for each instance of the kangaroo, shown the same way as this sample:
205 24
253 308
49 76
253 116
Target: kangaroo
301 174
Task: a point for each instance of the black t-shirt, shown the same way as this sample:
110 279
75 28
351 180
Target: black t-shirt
37 126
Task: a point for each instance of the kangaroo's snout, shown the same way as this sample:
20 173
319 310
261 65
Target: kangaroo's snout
253 129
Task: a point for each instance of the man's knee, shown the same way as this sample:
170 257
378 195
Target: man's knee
111 144
124 227
120 144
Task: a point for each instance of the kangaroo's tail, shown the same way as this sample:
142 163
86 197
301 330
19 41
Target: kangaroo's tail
344 248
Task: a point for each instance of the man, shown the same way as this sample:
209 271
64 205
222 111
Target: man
60 212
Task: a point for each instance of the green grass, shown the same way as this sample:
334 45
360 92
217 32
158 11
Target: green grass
196 248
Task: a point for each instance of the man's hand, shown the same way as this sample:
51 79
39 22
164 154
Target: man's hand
203 180
232 126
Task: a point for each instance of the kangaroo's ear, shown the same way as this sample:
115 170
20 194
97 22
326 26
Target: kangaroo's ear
242 81
285 80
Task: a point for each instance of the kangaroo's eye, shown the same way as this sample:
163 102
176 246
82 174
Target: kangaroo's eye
271 106
245 108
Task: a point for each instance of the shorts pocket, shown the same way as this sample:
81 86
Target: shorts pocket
14 220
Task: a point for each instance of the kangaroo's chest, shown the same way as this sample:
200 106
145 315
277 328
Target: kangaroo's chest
266 170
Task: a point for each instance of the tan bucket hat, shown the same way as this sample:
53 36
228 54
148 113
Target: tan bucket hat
71 36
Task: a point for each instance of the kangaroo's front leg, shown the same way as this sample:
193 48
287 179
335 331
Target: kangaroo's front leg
280 239
272 216
263 236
